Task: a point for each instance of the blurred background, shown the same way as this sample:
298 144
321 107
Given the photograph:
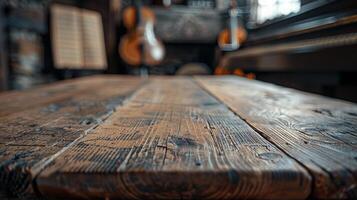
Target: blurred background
310 45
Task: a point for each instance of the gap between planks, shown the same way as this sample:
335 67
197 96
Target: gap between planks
38 167
330 180
17 179
261 134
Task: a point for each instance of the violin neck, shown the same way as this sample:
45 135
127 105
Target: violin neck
138 5
233 22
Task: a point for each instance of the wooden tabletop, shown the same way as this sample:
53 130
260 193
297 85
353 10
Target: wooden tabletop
221 137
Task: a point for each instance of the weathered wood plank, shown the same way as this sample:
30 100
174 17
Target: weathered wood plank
39 123
18 101
173 140
318 132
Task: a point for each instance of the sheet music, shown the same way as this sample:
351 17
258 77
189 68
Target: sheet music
77 38
93 40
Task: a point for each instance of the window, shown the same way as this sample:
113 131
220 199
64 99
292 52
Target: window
264 10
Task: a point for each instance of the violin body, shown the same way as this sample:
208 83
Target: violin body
140 45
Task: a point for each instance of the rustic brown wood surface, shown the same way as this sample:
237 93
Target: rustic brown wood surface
172 140
37 124
318 132
176 138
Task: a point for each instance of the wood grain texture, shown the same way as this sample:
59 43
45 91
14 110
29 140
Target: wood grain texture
319 132
37 124
173 140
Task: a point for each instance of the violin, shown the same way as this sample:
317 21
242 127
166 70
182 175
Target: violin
232 37
140 46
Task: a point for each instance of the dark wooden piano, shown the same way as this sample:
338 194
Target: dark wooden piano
312 49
